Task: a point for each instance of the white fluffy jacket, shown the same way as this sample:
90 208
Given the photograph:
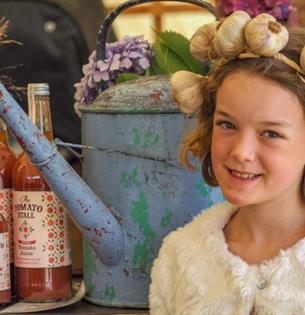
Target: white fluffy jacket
196 274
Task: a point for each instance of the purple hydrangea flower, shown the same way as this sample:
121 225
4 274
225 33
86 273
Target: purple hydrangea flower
280 9
130 54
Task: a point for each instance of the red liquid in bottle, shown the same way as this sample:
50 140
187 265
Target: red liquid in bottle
5 283
7 160
52 282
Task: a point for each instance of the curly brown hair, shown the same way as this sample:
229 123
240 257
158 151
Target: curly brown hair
198 140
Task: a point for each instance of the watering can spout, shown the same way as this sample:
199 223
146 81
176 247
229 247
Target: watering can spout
97 224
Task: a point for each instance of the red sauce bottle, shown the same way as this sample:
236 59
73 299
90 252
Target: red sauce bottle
7 160
5 283
42 247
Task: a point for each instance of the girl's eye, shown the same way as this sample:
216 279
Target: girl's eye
225 124
272 134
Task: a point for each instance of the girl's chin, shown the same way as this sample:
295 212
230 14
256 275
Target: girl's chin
237 200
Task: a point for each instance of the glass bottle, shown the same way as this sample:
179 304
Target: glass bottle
7 160
42 245
5 283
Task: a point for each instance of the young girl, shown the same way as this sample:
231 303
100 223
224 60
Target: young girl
246 256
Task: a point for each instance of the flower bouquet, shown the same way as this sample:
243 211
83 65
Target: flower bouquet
132 57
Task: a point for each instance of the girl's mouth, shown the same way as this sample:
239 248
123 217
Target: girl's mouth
243 175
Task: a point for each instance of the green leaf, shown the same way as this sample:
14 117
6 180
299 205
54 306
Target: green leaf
167 60
155 68
123 77
180 46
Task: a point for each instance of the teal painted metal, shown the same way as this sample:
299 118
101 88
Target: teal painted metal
137 175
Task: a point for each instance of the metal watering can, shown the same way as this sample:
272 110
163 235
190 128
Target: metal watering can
146 193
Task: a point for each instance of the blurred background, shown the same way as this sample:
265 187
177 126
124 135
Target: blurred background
181 17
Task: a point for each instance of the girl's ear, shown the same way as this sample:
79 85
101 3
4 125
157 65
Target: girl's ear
187 90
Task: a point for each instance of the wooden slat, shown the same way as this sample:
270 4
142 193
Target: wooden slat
159 8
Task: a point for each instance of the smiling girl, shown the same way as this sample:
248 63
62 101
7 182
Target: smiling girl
247 255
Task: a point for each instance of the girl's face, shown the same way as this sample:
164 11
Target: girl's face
258 141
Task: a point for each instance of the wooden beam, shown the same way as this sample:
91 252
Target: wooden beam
159 8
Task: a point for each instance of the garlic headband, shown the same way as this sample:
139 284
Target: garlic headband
235 37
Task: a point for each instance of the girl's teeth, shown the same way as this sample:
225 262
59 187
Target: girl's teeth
243 175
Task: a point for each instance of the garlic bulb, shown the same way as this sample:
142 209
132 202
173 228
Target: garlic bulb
265 36
266 16
302 59
230 40
187 90
201 42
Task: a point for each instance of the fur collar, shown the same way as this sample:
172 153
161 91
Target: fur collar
211 223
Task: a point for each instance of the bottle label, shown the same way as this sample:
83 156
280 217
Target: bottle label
41 232
5 282
6 209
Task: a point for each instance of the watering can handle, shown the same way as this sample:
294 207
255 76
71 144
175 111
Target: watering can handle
102 34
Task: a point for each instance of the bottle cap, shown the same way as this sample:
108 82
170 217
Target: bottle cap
40 88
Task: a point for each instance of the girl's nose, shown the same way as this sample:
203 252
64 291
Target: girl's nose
244 148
